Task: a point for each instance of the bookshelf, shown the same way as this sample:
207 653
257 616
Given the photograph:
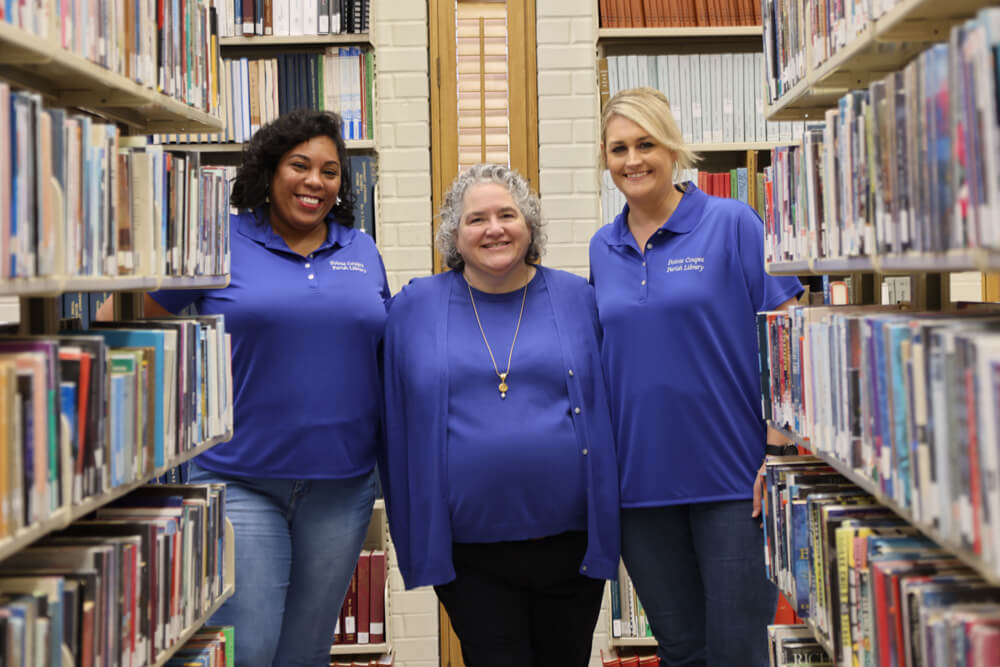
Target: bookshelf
888 43
66 80
69 80
262 41
376 539
971 559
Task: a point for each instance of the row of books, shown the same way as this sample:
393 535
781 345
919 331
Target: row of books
212 646
745 184
362 615
795 28
873 589
906 399
256 91
120 587
678 13
78 199
910 164
794 644
629 660
286 17
87 411
715 97
628 617
171 47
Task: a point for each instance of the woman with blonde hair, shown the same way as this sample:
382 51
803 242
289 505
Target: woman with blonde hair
679 277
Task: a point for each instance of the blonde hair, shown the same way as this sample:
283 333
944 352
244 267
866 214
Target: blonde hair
649 109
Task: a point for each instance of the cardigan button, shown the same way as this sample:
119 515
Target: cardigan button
571 372
576 410
584 452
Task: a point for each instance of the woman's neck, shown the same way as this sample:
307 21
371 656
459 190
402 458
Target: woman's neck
499 284
301 241
653 212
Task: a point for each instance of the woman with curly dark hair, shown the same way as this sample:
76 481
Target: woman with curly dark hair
305 307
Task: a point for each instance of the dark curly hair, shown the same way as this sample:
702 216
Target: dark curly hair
262 154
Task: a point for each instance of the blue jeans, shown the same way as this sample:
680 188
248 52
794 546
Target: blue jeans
699 571
297 542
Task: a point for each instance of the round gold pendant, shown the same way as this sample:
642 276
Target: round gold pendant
502 387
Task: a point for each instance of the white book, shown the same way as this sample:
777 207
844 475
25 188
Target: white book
296 13
282 21
613 85
727 93
719 106
683 76
695 78
638 71
623 76
662 80
310 18
672 88
760 129
739 103
239 100
331 81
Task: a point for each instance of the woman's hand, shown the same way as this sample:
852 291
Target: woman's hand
758 490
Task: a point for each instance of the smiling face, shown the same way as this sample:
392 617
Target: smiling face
640 166
305 185
492 237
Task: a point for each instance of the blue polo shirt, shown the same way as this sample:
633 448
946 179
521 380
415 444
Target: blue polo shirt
680 349
514 467
305 330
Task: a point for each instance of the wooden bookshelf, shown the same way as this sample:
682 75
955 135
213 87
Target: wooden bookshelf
339 39
69 80
66 515
716 32
869 486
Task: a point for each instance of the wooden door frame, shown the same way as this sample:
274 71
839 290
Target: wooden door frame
521 22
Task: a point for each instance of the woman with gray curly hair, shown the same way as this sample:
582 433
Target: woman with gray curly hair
499 464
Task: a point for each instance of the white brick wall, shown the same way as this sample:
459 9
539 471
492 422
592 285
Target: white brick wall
567 130
404 163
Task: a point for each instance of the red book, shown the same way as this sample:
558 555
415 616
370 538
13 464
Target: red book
350 611
985 640
631 661
649 661
377 609
610 661
364 596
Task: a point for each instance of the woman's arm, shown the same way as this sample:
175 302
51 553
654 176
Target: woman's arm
150 308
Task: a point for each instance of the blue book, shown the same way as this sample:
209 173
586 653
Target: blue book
899 332
145 338
68 411
117 430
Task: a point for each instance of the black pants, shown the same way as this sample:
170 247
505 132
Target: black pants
523 603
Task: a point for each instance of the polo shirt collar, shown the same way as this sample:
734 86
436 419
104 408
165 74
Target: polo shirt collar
261 232
685 217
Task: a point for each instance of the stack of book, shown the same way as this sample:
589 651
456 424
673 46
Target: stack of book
628 618
907 400
171 50
790 645
120 587
362 616
281 18
911 164
678 13
255 91
212 646
78 199
714 97
84 412
871 588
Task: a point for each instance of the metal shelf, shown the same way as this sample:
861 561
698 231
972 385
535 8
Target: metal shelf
952 261
971 559
69 80
233 147
55 286
66 515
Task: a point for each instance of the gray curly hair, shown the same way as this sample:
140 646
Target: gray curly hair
451 211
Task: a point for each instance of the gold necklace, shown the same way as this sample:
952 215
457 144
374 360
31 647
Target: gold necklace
502 387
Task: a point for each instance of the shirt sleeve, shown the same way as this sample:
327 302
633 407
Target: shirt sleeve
176 300
766 291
